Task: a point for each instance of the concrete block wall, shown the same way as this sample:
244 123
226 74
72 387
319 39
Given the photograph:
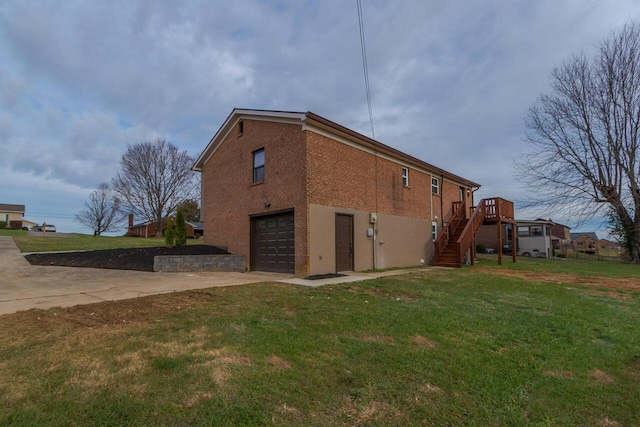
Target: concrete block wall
195 263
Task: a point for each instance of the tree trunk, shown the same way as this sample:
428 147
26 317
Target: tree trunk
634 247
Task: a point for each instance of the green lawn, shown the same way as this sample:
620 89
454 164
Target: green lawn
443 347
84 242
568 265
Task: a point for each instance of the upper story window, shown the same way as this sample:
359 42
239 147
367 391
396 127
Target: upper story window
405 177
435 186
258 165
240 127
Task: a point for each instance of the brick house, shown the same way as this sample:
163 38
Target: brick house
297 193
148 229
560 236
585 241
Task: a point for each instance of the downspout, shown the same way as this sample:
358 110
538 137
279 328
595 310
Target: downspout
441 189
375 224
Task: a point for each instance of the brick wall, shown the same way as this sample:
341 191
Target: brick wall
303 168
229 195
343 176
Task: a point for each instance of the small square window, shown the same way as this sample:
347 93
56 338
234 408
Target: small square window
258 165
435 186
240 127
405 177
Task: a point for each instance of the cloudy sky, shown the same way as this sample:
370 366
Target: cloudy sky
450 80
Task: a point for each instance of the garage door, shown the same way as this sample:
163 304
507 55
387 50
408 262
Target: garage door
273 243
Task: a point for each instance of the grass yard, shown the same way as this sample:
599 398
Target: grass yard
86 242
485 345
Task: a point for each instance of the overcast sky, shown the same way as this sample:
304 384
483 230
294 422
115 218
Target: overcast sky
450 80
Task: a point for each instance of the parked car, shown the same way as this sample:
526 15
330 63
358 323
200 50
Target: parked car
49 227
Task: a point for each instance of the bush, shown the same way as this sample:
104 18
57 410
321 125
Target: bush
481 249
170 234
131 234
3 224
181 229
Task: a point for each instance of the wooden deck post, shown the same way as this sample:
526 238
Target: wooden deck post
499 241
514 249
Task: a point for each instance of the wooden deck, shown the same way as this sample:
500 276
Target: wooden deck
458 237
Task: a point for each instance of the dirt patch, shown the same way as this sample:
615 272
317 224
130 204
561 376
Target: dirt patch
140 259
422 341
100 315
601 376
613 283
278 362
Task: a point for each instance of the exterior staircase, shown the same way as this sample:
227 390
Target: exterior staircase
449 256
458 237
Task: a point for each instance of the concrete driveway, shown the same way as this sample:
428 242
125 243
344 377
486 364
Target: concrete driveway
24 286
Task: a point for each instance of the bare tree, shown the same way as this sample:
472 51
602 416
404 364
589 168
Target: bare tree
155 178
101 212
584 137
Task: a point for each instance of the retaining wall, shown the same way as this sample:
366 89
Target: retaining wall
193 263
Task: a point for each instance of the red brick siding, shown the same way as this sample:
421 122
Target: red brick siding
303 168
229 196
344 176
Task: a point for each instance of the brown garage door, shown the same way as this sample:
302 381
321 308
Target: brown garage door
273 243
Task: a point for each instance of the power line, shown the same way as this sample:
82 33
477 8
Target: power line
365 66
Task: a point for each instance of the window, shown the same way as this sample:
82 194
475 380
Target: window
523 231
536 230
240 127
435 186
258 165
405 177
434 230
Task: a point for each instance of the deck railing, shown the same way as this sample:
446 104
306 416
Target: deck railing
498 208
445 235
465 241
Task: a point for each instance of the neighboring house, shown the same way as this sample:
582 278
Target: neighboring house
608 244
148 229
560 236
534 237
142 229
585 241
11 214
297 193
195 229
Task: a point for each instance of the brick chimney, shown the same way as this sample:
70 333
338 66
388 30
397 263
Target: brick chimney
130 220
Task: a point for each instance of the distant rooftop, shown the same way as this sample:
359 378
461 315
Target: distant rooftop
11 208
590 234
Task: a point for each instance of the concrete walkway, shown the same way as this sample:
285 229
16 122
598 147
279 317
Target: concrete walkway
24 286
